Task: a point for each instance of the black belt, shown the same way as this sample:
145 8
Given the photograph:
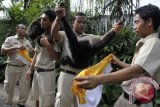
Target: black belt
137 102
70 72
17 65
43 70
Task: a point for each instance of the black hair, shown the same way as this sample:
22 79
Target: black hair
50 13
34 30
78 14
150 11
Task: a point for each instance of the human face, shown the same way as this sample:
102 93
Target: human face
79 24
21 30
141 27
45 22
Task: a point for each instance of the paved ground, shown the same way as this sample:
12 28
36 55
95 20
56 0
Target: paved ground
2 98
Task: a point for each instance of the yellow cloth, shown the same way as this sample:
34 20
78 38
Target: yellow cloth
93 70
25 55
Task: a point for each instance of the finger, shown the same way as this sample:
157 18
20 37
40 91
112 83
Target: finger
28 77
59 10
88 88
80 78
82 84
43 36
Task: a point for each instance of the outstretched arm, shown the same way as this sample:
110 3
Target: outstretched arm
60 12
90 82
107 38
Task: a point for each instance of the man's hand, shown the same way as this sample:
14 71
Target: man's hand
28 74
60 12
115 60
21 47
44 41
88 82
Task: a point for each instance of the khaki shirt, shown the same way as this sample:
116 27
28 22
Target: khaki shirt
148 57
13 41
43 59
64 44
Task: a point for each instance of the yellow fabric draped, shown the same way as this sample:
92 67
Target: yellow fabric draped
93 70
25 55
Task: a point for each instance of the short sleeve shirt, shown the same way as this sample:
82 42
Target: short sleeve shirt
13 41
64 44
43 59
148 57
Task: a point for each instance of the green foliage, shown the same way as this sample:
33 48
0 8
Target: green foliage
110 95
16 13
34 10
123 45
6 30
157 101
2 66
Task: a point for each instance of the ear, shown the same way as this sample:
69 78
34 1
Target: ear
150 22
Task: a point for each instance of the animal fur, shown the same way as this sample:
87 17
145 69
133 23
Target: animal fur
82 51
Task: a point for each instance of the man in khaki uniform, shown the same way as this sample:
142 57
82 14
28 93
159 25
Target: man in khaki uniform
44 81
145 63
15 69
64 96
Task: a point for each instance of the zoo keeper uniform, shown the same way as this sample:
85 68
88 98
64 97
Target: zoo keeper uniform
43 86
148 57
64 96
15 71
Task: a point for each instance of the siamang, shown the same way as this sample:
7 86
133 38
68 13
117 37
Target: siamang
82 51
35 32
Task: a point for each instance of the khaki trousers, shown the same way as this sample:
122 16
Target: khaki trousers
13 75
43 88
123 102
64 96
34 93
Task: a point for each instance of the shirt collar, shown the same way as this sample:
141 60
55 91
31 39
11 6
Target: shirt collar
83 34
16 36
150 36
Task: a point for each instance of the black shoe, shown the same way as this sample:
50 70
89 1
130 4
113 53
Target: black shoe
20 105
